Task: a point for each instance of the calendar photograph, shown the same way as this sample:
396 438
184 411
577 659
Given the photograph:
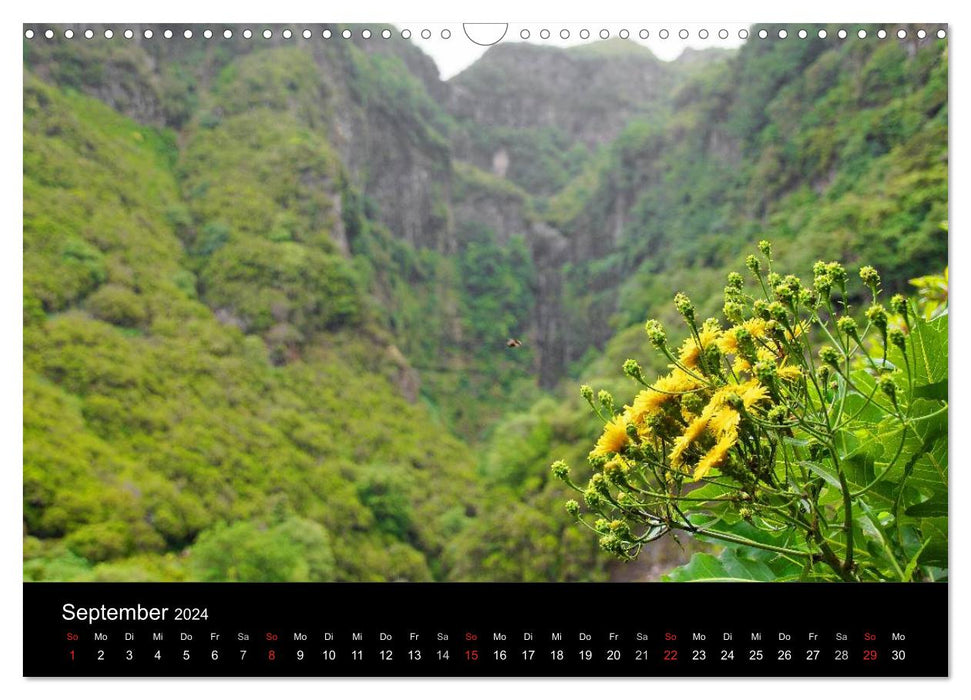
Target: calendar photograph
524 303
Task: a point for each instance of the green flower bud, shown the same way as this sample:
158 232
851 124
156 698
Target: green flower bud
877 315
870 277
847 326
761 309
897 338
735 280
655 422
606 400
746 344
593 499
573 508
777 311
746 513
560 470
898 304
752 263
808 298
776 415
613 544
732 311
823 374
766 372
655 333
586 392
631 431
684 306
632 369
766 249
615 471
601 525
599 484
830 356
784 294
774 279
823 284
837 272
620 528
692 403
888 387
819 268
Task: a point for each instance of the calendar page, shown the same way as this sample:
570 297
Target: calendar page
518 349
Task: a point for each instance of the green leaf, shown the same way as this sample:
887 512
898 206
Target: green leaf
728 566
935 506
912 564
934 532
927 352
824 471
937 390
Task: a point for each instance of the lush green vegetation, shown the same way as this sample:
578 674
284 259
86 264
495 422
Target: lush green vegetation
266 304
213 389
836 150
148 422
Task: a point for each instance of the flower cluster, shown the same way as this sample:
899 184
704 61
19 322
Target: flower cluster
739 402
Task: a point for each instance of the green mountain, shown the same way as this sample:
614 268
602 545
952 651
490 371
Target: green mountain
268 284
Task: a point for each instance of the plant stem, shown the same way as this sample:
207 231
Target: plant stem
847 515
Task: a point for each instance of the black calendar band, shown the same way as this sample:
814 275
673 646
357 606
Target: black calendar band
469 629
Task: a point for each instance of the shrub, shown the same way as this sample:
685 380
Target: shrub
810 465
293 550
118 305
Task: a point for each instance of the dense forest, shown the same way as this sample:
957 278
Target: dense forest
269 284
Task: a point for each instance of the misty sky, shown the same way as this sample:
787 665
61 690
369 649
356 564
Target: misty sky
457 51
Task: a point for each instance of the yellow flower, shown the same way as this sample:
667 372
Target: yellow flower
710 333
715 456
765 355
741 365
691 433
689 354
668 387
724 421
645 403
762 354
728 343
695 429
691 350
789 372
677 382
755 326
614 437
717 400
751 392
